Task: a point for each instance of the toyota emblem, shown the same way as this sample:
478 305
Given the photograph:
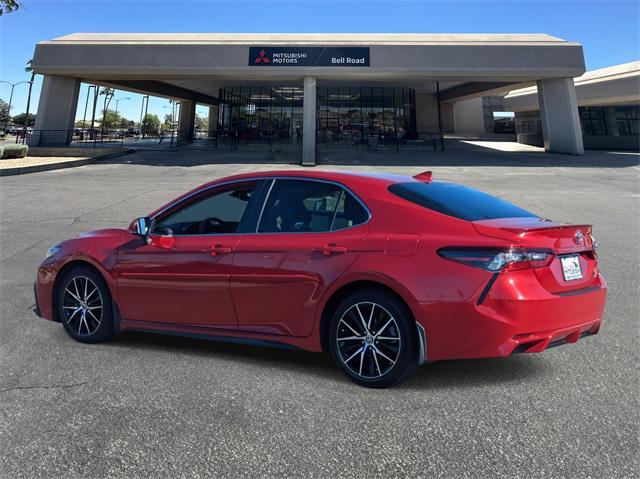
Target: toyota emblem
578 237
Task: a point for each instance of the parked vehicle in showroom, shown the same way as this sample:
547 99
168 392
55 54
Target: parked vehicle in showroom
385 272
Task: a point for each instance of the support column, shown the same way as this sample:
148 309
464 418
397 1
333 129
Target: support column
309 122
56 111
449 117
559 116
186 121
213 121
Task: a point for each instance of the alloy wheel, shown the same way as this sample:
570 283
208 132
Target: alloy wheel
82 306
368 340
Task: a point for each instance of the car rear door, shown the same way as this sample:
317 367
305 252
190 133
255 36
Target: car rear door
309 233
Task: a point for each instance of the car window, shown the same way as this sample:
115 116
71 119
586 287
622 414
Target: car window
220 212
299 206
458 201
350 213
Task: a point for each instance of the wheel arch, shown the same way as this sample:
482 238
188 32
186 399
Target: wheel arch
62 272
344 290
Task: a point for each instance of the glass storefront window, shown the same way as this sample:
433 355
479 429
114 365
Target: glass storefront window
349 116
628 120
592 120
355 116
261 114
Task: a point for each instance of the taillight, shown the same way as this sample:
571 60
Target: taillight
594 243
495 259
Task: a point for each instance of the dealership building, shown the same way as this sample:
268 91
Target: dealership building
608 106
317 89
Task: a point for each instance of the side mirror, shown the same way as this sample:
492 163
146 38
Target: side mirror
142 226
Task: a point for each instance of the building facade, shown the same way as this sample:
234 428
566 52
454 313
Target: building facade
608 106
316 89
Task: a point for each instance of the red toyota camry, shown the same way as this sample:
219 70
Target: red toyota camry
385 272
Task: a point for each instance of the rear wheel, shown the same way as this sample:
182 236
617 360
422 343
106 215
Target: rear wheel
373 339
84 306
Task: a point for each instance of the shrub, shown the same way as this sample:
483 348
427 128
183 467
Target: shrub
1 151
14 151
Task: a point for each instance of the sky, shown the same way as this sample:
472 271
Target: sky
608 30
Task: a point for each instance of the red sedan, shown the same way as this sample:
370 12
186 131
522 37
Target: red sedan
384 271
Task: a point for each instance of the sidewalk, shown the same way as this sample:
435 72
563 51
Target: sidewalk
59 159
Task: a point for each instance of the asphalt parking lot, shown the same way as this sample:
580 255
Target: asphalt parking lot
154 406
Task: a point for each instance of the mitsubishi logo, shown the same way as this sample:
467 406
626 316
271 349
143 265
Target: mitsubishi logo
262 58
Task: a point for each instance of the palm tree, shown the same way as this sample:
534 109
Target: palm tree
108 95
29 69
8 6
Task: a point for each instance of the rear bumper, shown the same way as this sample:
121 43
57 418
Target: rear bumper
538 342
508 322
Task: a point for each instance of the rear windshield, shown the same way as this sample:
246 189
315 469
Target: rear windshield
458 201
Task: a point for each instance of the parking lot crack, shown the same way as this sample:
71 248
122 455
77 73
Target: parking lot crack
53 386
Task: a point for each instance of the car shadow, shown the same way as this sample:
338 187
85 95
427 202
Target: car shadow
470 373
294 359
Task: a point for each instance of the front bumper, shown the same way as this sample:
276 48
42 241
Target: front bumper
36 310
43 291
508 322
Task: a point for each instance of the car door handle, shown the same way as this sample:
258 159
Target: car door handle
329 249
217 250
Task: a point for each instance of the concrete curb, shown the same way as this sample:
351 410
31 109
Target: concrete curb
21 170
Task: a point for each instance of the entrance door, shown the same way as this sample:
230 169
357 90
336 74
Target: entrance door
183 275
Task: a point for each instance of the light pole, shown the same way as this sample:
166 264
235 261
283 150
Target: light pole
13 85
145 101
118 100
92 134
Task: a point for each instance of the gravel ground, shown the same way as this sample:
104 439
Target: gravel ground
154 406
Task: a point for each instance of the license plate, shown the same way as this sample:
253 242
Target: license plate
571 267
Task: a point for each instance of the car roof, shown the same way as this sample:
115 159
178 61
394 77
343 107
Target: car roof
366 184
341 176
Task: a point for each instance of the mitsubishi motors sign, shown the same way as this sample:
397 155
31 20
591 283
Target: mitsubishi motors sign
309 56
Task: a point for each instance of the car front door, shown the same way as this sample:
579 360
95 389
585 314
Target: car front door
309 233
182 274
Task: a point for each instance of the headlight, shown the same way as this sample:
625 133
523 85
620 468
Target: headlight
53 250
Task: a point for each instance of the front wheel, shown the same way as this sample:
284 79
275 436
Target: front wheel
373 339
84 306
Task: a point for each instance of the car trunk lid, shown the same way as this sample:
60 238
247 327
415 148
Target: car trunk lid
575 263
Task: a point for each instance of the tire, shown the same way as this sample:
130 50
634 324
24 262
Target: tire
84 305
373 339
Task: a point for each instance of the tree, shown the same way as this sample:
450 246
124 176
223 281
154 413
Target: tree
111 119
202 123
108 95
20 119
168 122
8 6
4 111
150 124
29 69
124 123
